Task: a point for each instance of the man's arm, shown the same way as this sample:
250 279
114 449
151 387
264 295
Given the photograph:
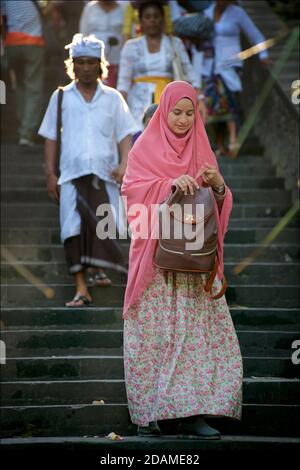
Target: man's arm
124 148
51 169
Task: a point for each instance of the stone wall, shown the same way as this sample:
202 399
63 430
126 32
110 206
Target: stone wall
277 123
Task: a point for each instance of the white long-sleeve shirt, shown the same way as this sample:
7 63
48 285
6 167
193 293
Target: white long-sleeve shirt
227 43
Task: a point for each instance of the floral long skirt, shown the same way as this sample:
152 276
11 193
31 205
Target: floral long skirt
181 352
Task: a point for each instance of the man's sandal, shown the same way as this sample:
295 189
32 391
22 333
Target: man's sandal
85 302
100 279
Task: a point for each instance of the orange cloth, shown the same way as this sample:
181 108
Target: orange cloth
23 39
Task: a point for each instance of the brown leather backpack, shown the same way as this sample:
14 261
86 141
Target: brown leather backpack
176 251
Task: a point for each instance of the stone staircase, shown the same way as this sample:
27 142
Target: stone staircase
271 26
59 361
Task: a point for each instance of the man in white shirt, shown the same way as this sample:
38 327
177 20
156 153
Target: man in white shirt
96 128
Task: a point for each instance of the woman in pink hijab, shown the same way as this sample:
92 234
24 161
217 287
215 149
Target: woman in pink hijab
181 353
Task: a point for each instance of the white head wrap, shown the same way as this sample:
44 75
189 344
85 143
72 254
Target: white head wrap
88 46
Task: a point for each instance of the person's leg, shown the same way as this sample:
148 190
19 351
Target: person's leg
99 277
82 296
70 224
82 292
97 252
220 139
231 126
220 144
15 64
233 143
32 89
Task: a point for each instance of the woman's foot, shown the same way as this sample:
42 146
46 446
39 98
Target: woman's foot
233 149
199 427
152 430
99 278
80 300
220 152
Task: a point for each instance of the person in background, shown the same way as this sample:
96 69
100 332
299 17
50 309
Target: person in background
132 28
96 129
25 49
146 63
56 36
146 119
222 69
104 19
71 11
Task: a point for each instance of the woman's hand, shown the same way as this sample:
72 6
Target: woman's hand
212 177
185 183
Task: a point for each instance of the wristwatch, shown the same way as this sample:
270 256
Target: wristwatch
219 189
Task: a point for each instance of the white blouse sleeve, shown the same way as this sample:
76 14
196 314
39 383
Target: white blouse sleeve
84 21
251 31
127 60
186 63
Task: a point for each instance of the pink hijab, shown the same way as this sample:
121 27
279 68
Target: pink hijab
156 159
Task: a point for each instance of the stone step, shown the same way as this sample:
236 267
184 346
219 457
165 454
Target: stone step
57 272
50 252
12 167
25 343
87 419
11 150
234 182
246 196
259 390
15 236
294 53
13 154
103 366
32 211
85 451
260 295
53 222
50 272
111 318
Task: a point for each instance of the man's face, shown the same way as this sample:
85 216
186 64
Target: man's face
87 69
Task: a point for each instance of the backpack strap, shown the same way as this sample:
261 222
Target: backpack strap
210 281
59 124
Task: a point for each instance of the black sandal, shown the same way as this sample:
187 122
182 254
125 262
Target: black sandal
82 298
